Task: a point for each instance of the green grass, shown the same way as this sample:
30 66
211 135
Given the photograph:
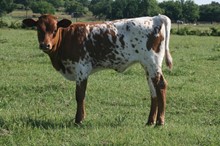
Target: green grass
37 105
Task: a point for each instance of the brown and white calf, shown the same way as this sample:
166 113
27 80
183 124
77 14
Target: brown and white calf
77 50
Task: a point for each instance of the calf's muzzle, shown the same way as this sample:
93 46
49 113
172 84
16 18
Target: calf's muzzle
44 46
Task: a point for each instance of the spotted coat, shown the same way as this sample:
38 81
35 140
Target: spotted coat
80 49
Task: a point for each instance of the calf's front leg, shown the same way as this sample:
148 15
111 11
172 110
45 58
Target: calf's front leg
80 99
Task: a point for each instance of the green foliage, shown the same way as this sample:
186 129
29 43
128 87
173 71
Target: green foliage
26 3
185 10
190 11
6 6
15 25
42 7
101 8
118 8
75 7
37 104
149 8
215 31
124 8
199 30
8 22
85 3
131 9
183 31
172 9
3 24
56 3
210 12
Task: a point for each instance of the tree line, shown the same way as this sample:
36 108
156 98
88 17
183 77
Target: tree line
184 10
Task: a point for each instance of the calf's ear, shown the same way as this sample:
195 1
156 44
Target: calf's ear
64 23
29 22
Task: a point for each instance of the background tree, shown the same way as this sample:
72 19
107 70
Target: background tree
190 11
131 9
94 7
101 8
75 7
85 3
172 9
42 7
6 6
56 3
185 10
149 8
210 12
118 8
25 3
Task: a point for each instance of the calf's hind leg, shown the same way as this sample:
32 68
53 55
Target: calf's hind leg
158 87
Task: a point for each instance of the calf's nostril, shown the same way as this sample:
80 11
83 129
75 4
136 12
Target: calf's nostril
48 46
44 46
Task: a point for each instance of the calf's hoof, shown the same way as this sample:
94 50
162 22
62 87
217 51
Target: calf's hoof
160 123
150 123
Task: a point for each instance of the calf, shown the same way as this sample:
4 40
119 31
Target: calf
77 50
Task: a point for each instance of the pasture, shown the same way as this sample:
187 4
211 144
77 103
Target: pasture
37 105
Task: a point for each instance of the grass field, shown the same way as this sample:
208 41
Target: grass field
37 104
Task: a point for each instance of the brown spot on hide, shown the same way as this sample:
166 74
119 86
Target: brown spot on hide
159 81
154 40
68 45
102 45
72 43
57 64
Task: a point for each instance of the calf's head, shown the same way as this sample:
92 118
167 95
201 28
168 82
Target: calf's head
47 27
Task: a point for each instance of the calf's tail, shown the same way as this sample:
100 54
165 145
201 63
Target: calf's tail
168 57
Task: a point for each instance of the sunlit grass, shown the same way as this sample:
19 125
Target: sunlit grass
37 105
